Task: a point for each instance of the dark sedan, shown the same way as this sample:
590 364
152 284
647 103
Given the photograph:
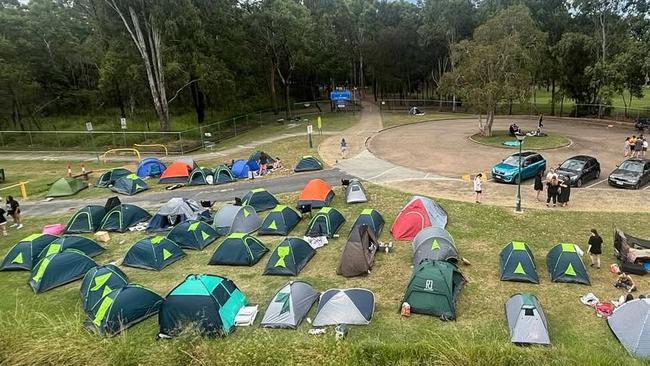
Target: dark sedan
632 173
580 169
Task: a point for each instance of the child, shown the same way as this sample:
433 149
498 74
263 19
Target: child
13 209
477 187
344 148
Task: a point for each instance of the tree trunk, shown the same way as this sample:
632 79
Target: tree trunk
119 100
485 127
198 99
274 96
553 97
286 95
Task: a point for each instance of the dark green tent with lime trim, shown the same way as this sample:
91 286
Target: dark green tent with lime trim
193 234
66 186
326 222
24 255
260 199
434 288
129 185
122 308
565 265
307 164
280 221
517 263
199 176
222 174
372 219
86 220
154 252
209 303
120 218
98 282
109 178
239 249
59 269
289 257
87 246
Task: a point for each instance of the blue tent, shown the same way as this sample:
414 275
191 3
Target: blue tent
240 168
150 167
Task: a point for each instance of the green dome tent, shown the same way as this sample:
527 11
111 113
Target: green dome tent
565 265
193 234
24 255
109 178
59 269
517 263
208 302
129 185
222 174
120 218
122 308
280 221
307 164
372 219
86 220
434 244
239 249
326 222
289 257
87 246
199 176
98 282
155 253
66 187
260 199
434 288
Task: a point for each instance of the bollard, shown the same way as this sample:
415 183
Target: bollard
69 170
23 190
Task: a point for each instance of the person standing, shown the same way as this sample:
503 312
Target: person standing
627 147
552 190
3 222
344 148
565 193
632 143
13 209
595 248
638 147
644 149
539 185
319 125
478 189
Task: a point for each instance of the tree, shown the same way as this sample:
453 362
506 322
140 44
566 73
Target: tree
576 54
497 64
628 72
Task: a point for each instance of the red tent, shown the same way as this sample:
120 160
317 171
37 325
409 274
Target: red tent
419 213
178 172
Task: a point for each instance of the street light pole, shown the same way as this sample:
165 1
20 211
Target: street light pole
520 138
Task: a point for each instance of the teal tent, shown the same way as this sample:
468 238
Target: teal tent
517 263
260 199
193 234
59 269
280 221
326 222
24 255
308 163
239 249
222 174
87 246
109 177
129 185
98 282
199 176
122 308
120 218
289 257
565 265
154 252
67 186
434 288
208 303
372 219
86 220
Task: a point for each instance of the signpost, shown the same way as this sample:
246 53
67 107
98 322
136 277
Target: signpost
310 130
123 125
89 128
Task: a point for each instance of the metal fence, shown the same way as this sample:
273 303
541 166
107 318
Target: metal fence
567 109
179 142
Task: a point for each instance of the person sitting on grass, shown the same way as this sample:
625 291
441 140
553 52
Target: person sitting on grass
626 282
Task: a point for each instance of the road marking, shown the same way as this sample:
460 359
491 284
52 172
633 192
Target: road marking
597 183
646 187
382 173
226 190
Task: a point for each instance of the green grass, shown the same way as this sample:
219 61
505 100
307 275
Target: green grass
47 328
397 118
498 137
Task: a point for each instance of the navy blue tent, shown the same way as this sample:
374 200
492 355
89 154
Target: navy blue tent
150 167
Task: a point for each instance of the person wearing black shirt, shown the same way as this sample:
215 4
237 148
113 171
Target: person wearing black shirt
595 248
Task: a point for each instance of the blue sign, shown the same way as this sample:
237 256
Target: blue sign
341 95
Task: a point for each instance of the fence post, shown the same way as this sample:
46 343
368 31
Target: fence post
2 139
31 142
58 139
180 139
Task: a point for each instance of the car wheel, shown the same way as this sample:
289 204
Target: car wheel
579 183
597 174
637 186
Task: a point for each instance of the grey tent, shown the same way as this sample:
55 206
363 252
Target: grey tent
631 325
175 211
236 219
526 320
434 244
358 255
355 193
349 306
290 305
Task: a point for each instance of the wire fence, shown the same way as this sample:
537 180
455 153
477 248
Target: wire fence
567 109
178 142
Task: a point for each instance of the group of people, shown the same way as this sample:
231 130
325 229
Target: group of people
12 208
557 190
636 147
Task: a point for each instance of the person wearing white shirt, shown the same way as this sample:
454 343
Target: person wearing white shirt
478 190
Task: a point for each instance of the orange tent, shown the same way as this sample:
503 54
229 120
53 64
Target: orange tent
316 193
178 172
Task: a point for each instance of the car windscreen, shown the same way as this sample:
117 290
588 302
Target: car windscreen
573 165
632 166
513 160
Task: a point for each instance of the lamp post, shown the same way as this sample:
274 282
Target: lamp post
520 138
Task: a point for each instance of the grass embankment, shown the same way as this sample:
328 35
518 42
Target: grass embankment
46 328
551 141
